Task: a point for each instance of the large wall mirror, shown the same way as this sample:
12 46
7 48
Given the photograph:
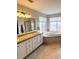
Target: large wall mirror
26 25
30 25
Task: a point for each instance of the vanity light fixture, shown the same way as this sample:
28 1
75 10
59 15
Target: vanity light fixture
23 15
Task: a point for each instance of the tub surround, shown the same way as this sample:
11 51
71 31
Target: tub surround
51 37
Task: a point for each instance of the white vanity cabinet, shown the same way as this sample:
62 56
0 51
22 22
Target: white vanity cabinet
26 47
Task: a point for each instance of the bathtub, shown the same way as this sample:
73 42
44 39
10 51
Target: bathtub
51 37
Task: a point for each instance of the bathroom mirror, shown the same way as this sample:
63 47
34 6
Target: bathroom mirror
26 25
30 25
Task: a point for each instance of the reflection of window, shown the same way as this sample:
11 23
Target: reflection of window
55 24
42 24
32 26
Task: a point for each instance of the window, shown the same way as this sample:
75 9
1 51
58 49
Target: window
42 24
55 24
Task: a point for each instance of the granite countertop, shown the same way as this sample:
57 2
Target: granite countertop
25 37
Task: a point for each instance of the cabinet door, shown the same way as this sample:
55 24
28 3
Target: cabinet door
41 39
18 52
29 46
38 42
34 42
21 50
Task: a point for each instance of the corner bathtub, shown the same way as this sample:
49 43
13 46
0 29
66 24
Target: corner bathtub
51 37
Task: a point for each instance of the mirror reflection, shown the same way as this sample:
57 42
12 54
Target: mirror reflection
29 25
25 25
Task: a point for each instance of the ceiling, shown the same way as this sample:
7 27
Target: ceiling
45 6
